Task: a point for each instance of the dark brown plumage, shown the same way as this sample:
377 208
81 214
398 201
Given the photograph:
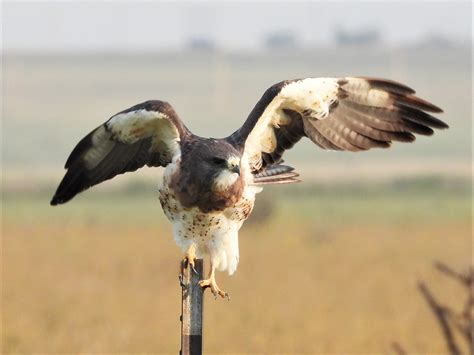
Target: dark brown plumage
209 185
119 159
193 184
362 113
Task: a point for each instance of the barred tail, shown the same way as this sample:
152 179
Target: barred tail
276 174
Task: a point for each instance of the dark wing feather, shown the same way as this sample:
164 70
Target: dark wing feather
351 114
286 137
145 134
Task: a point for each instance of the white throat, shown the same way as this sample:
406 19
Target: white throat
225 179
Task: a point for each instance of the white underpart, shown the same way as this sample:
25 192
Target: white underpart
215 235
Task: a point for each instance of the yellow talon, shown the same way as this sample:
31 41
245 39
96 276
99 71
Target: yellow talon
211 283
190 258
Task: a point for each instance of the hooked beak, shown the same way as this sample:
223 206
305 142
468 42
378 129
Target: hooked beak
235 169
233 164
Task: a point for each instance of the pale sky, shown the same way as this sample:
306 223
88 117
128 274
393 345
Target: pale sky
154 26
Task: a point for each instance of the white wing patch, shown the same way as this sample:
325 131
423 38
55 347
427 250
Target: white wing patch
349 113
129 127
360 91
146 134
101 146
311 97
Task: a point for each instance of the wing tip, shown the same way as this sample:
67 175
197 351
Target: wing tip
441 125
62 196
404 92
56 200
423 104
390 85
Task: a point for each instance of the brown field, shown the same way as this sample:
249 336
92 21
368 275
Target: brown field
327 272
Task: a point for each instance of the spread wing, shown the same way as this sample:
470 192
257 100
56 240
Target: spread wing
350 114
145 134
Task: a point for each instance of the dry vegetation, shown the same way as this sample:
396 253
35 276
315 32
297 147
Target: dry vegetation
330 270
100 275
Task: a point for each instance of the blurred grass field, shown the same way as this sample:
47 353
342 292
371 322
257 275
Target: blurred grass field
329 266
323 269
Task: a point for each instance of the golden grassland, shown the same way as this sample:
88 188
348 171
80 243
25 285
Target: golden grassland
327 272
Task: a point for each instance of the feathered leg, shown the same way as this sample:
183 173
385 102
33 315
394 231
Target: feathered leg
190 257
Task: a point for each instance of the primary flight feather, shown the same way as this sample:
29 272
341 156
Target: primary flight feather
209 185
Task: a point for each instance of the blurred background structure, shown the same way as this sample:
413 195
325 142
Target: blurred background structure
100 273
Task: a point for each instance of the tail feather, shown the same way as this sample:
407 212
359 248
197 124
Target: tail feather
276 174
277 182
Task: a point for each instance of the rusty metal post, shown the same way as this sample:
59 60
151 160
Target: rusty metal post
191 308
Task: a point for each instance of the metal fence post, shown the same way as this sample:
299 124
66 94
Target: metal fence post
191 308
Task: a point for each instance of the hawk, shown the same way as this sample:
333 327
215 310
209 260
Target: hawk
209 184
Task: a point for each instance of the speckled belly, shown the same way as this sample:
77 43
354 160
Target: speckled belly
192 224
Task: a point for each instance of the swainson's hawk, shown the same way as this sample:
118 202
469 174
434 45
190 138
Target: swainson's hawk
209 185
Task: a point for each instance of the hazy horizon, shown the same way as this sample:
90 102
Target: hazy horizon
62 97
157 26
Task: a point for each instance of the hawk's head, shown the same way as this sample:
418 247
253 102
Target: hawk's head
216 161
227 171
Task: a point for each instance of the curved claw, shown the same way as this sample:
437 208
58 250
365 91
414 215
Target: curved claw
216 291
190 258
192 265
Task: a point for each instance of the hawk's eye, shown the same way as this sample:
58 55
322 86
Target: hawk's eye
218 161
